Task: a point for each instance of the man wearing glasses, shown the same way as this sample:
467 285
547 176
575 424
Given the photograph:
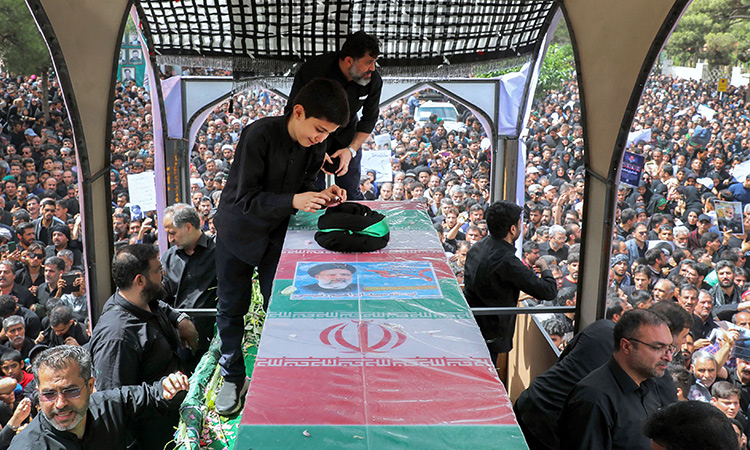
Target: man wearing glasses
73 416
607 408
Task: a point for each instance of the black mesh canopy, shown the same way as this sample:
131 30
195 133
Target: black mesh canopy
248 34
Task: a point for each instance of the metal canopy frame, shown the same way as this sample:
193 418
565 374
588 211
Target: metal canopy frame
615 44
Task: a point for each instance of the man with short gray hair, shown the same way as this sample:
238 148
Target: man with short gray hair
15 331
556 245
190 271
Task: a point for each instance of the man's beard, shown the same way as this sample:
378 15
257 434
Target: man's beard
360 78
333 284
152 291
80 414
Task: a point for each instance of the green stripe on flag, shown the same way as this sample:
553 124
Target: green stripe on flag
414 437
397 220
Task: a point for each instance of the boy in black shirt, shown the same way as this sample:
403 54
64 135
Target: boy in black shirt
272 175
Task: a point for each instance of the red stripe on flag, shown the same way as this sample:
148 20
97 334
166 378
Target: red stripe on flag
468 394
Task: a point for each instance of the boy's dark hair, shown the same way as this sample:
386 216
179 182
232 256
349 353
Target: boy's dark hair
614 307
637 297
676 317
12 355
500 216
60 315
691 424
681 378
8 305
725 390
554 327
565 294
130 261
357 45
324 99
708 236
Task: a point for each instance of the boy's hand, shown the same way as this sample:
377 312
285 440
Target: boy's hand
310 201
337 194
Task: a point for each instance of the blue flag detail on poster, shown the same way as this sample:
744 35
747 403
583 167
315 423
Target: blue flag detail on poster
365 280
632 166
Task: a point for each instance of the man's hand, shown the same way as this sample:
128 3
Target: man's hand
344 156
541 264
188 334
700 343
15 255
174 383
311 201
70 340
20 414
61 283
81 285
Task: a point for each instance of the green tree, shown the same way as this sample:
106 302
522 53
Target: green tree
22 48
558 66
715 30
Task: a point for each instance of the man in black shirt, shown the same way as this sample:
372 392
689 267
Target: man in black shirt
9 287
494 276
276 163
137 337
607 408
190 271
354 68
64 330
74 416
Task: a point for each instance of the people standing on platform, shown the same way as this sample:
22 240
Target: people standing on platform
494 276
137 337
271 178
353 67
190 273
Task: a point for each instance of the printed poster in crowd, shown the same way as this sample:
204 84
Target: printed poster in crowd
383 142
632 166
380 162
729 216
360 280
142 192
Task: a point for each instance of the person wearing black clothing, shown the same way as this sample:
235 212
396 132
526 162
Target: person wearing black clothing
271 178
494 276
353 67
8 285
190 272
15 331
538 407
25 277
74 416
607 408
137 336
63 329
9 307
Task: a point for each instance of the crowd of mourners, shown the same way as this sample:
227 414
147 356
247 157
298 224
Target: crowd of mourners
667 244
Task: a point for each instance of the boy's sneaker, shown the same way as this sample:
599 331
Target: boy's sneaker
229 399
